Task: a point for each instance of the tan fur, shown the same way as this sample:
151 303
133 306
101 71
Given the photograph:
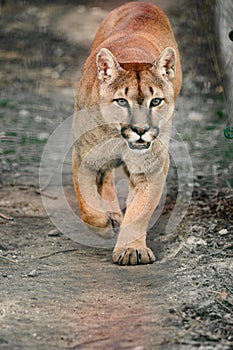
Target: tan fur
124 108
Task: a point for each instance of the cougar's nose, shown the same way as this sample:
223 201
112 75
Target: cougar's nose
140 130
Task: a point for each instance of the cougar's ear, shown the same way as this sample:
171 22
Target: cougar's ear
108 66
165 64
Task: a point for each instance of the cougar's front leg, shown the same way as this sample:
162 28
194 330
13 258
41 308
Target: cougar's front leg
144 196
93 209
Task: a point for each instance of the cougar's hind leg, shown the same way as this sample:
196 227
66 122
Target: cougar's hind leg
106 188
92 207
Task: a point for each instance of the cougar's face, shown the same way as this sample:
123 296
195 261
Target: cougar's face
143 105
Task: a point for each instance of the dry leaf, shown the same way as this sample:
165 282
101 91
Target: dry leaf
223 295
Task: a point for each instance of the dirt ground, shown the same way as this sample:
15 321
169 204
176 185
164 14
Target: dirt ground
59 294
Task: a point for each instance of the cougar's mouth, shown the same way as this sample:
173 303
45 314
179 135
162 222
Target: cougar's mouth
139 138
139 145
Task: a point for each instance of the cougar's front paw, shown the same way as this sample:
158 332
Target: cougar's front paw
133 256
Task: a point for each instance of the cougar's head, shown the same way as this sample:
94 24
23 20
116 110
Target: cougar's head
139 96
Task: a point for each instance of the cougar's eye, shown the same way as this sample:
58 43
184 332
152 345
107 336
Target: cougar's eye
155 102
122 102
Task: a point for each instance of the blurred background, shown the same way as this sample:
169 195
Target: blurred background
44 45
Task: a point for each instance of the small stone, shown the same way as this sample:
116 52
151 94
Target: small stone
33 273
172 311
54 233
43 136
194 241
223 231
24 113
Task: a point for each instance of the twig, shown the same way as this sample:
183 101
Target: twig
8 260
58 252
229 289
79 345
227 204
224 306
6 137
38 191
8 218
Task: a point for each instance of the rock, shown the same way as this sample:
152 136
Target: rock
24 113
54 233
33 273
223 231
